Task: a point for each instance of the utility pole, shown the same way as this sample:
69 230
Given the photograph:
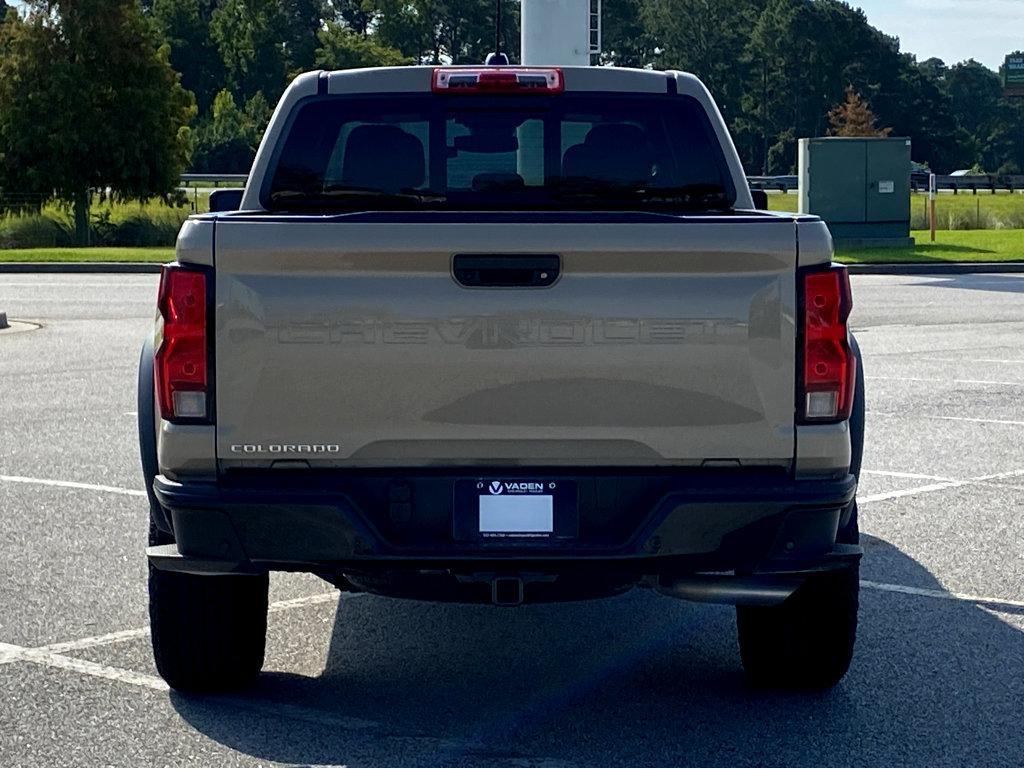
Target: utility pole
555 32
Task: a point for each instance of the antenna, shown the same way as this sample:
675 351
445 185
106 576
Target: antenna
497 58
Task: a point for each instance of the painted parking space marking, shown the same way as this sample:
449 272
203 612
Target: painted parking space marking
71 485
943 381
86 667
908 476
979 420
941 485
988 601
121 636
1008 361
910 492
74 284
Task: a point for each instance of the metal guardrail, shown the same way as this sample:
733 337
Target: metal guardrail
216 179
780 183
919 183
785 184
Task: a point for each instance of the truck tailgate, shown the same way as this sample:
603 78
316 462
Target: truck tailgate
351 344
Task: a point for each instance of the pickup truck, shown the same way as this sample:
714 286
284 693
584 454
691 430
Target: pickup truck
502 335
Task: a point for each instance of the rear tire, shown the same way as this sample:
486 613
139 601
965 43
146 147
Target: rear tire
806 642
209 633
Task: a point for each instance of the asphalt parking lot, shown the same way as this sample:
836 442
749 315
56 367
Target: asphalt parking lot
938 678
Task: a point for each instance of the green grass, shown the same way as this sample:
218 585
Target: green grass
949 246
984 211
87 255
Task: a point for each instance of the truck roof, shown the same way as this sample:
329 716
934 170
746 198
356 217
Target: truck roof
418 79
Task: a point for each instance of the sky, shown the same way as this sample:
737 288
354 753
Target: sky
952 30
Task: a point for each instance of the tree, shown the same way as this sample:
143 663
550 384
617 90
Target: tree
358 15
248 35
915 103
303 21
227 139
437 31
88 100
185 26
855 118
975 94
342 48
707 38
625 39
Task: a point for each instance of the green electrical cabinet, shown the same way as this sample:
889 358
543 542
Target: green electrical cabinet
859 186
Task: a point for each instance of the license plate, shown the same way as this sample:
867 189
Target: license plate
504 508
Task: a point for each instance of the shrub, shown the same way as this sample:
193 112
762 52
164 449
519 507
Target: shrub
137 230
132 225
34 231
1013 220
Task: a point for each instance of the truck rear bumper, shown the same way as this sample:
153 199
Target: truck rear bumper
392 533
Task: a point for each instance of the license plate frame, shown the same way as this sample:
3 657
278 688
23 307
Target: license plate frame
479 516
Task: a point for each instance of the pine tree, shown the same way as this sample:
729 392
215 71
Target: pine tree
855 118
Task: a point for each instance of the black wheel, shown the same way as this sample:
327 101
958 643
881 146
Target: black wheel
209 633
806 642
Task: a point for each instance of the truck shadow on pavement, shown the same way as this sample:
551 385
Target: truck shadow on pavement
1011 283
634 680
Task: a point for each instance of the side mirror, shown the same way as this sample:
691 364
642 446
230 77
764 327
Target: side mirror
760 199
226 200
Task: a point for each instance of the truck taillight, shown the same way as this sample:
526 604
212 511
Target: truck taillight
182 359
456 80
829 366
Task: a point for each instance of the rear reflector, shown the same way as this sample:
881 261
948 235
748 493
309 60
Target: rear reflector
829 367
457 80
181 361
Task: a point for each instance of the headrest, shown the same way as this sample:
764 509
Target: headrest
383 157
617 153
618 136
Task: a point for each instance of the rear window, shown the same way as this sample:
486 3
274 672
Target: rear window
603 151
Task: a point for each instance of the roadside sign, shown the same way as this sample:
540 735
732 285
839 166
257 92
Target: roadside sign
1013 75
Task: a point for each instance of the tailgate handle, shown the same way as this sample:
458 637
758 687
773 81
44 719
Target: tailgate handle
506 271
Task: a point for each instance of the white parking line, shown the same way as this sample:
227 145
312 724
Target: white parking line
120 636
94 669
1012 422
910 492
69 284
909 476
994 603
975 360
97 640
942 381
71 485
310 600
943 483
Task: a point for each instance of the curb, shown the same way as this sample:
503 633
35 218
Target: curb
937 268
81 267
